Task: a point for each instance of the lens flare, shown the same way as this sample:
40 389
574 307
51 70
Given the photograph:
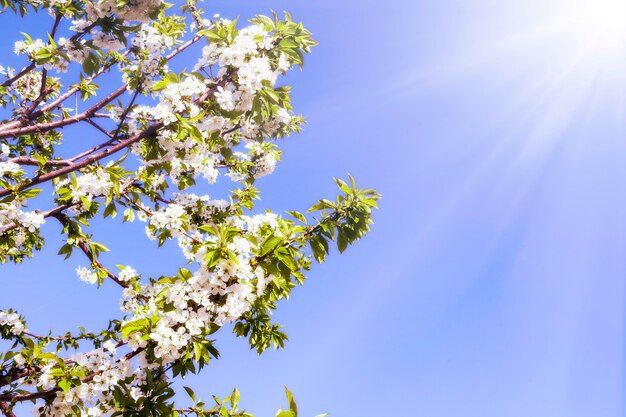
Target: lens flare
604 21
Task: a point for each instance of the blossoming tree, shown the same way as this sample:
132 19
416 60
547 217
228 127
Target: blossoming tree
162 135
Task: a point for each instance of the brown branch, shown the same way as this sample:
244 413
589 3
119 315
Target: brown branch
46 393
124 114
106 152
33 64
6 409
45 214
14 125
113 137
25 160
44 127
14 374
85 248
92 150
20 74
43 91
100 128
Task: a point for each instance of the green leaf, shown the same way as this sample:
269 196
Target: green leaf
65 385
31 192
134 326
91 64
342 241
298 216
234 398
319 246
110 210
286 258
191 394
270 244
342 185
197 351
66 250
129 215
292 404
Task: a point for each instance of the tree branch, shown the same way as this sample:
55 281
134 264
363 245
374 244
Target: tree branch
25 160
45 214
42 394
33 64
107 152
19 75
15 124
43 91
6 409
44 127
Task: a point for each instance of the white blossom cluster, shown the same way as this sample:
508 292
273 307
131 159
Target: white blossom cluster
76 51
27 47
208 297
130 11
28 86
107 370
247 55
223 116
106 41
265 160
194 157
89 276
13 322
86 275
86 187
11 213
173 218
8 72
93 184
31 48
10 168
218 295
127 273
148 56
177 98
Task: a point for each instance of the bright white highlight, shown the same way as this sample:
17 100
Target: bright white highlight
607 16
603 20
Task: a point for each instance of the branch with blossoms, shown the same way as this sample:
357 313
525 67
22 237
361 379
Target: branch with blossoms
161 135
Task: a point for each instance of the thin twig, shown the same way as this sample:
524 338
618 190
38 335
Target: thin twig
15 124
45 214
106 152
19 75
6 409
25 160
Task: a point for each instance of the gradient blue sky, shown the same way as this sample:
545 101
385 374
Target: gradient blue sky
493 283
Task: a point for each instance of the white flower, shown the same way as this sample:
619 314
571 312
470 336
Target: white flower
105 41
225 98
136 393
4 151
9 167
12 320
95 412
19 359
86 275
110 346
31 220
283 116
127 274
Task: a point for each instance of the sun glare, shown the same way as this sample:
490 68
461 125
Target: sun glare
604 21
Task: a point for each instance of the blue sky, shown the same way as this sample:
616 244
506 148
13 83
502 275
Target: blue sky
493 283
